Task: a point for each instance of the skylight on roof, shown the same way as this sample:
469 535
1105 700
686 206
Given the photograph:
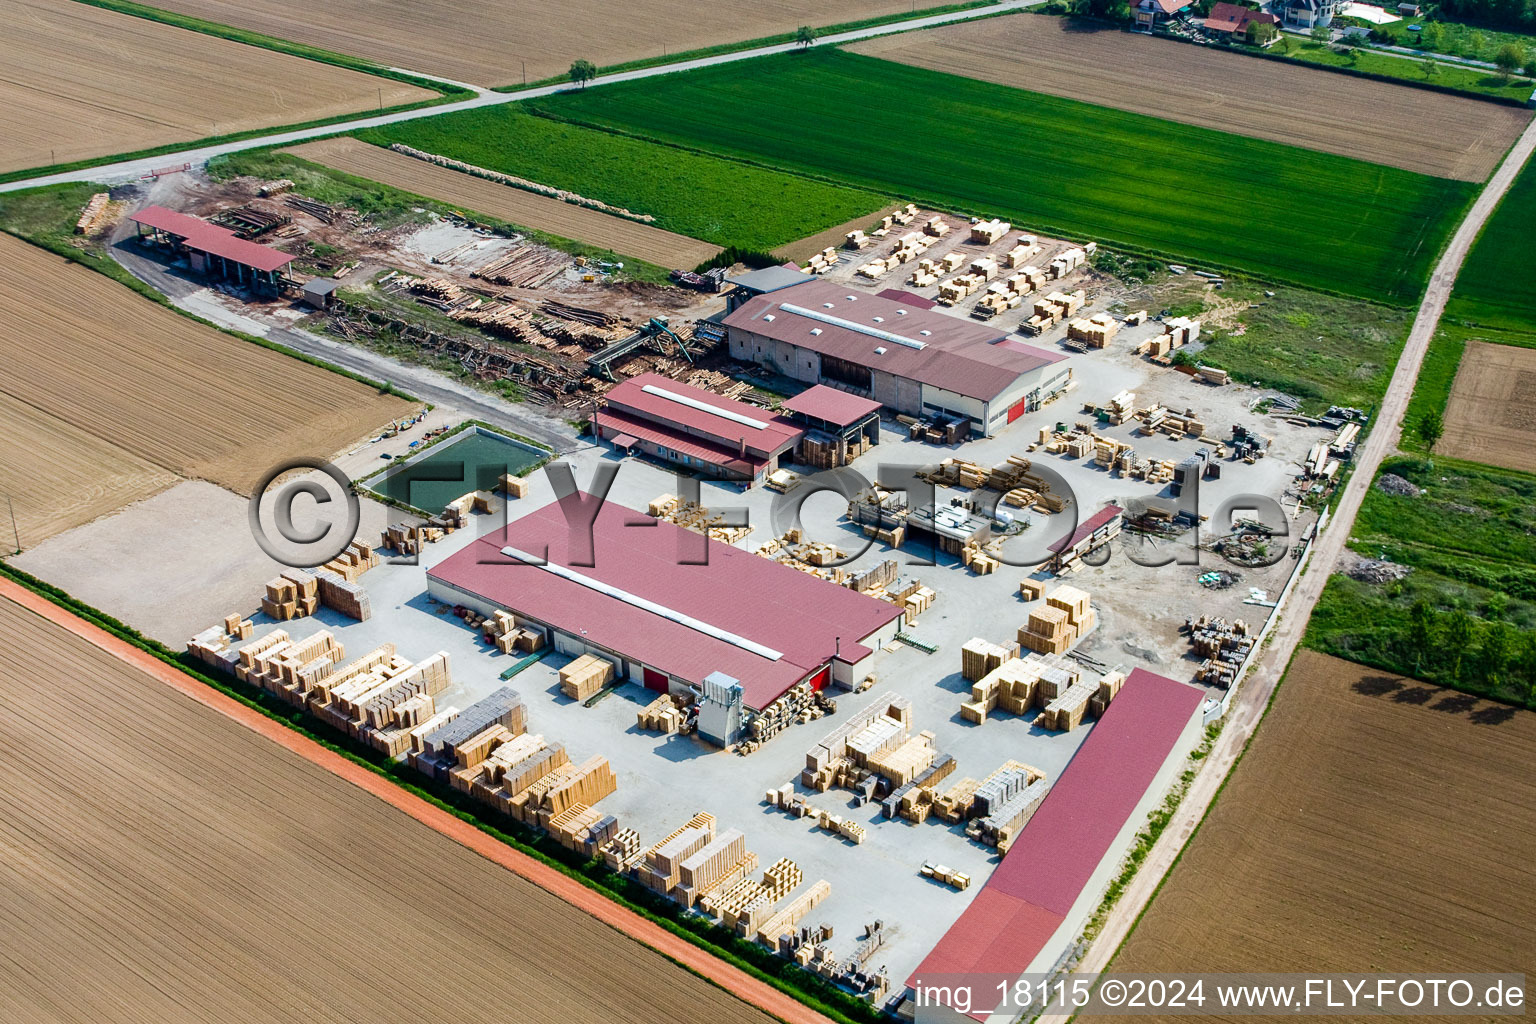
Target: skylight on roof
701 406
835 321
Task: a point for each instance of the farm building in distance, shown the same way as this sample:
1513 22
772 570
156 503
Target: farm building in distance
666 606
211 249
693 427
910 360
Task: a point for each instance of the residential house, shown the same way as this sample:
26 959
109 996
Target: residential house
1150 14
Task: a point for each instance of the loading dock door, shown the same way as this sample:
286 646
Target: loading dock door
1017 409
819 680
656 680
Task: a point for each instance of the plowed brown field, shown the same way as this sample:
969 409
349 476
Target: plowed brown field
164 863
133 380
80 82
491 43
1432 133
515 205
1376 824
1488 418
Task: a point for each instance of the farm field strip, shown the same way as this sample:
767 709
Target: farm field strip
1495 287
1488 417
1374 824
1452 137
505 44
83 82
212 879
1051 164
163 388
515 205
694 194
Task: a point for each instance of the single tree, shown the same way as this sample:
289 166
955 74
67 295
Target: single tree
1431 67
1476 44
1283 44
1321 34
1258 33
1460 631
1509 59
805 36
1498 650
582 72
1432 37
1430 428
1421 634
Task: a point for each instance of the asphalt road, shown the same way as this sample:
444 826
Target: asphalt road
127 170
1251 701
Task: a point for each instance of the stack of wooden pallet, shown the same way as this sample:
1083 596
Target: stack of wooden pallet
622 850
666 714
585 676
291 595
504 630
720 862
513 486
954 804
747 904
95 208
342 595
658 870
978 657
1066 618
783 922
357 559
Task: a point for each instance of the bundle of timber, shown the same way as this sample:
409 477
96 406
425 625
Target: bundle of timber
343 595
95 208
585 676
504 630
293 594
667 714
408 540
1066 618
954 879
357 559
213 645
978 657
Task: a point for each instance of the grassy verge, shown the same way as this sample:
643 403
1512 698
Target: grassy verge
1465 617
1322 349
447 93
691 193
747 956
752 44
1056 165
1447 77
386 206
45 217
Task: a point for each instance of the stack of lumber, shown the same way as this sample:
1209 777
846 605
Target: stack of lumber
408 540
666 714
822 261
513 486
1069 261
841 826
504 630
784 922
936 226
274 188
212 645
875 730
658 870
1176 425
1121 408
954 804
622 850
293 594
1056 628
1095 331
343 595
699 873
903 763
585 676
978 560
856 239
1005 820
1018 257
1031 590
744 906
978 657
582 829
988 232
917 602
954 879
95 208
434 751
357 559
562 788
1009 687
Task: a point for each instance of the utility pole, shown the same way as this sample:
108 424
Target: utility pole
525 74
381 97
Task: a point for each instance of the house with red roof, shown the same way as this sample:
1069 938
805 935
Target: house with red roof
1152 13
1232 20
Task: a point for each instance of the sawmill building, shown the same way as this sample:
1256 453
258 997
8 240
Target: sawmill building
668 607
911 360
694 428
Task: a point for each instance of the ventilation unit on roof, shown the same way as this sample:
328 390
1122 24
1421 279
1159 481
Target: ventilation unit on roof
815 330
768 317
850 298
925 333
879 350
826 305
901 312
879 319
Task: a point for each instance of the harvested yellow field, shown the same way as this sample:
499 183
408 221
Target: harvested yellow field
1488 418
164 863
81 349
514 205
1432 133
57 476
492 44
81 82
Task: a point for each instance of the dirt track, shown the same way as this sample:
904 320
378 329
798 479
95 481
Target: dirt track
1376 824
1433 133
83 82
514 205
154 388
169 864
491 44
1488 417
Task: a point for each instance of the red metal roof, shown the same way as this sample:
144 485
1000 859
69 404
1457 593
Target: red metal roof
939 350
1225 17
646 431
794 613
1045 871
650 398
211 238
1085 530
831 405
906 298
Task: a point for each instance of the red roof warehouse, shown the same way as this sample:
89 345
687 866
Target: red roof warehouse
1033 891
667 605
679 423
211 247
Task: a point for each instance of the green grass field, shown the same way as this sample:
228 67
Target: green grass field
706 197
1050 164
1495 288
1470 537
